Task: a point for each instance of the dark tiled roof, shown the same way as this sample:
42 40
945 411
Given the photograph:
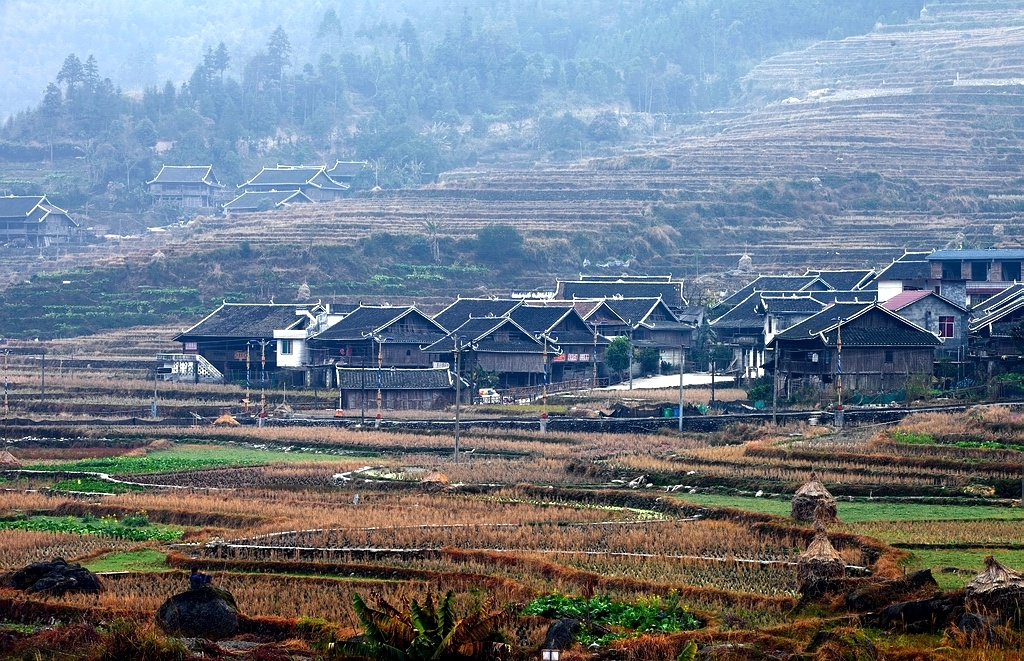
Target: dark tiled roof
292 176
245 320
19 206
909 266
791 304
908 336
1008 310
900 333
632 311
186 174
844 280
537 319
346 169
970 255
776 283
671 292
743 315
858 296
462 309
1009 294
254 200
396 379
367 319
477 331
824 320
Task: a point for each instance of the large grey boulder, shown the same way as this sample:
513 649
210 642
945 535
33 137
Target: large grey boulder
561 634
204 613
55 577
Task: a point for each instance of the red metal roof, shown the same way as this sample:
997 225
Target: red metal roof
903 300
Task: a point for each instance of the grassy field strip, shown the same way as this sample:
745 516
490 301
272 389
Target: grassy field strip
146 559
445 526
864 512
105 477
193 456
424 552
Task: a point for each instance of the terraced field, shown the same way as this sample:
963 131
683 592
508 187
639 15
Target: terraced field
903 138
843 153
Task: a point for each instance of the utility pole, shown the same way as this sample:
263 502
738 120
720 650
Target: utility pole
544 389
682 370
380 380
775 388
152 412
7 405
248 373
42 376
839 374
263 381
630 354
458 395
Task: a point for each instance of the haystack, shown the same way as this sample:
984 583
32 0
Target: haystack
813 502
227 420
434 481
997 590
8 461
819 565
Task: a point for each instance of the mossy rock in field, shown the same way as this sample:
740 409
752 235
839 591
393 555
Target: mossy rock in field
875 592
55 577
207 612
920 615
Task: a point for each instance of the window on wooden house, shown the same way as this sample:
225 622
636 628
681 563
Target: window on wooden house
946 327
888 356
1011 271
286 347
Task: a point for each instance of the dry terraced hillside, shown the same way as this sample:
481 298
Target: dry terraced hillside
843 154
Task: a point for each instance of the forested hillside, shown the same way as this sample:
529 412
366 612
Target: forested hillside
417 88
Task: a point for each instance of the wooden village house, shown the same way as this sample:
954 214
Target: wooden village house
311 180
880 351
401 389
582 349
189 186
500 346
238 338
391 336
31 221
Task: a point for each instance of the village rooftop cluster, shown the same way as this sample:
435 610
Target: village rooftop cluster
32 220
946 317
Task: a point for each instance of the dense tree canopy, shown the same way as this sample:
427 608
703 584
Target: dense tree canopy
414 88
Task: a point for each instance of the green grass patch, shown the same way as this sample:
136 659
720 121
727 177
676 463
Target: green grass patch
93 485
647 615
912 438
140 560
19 628
128 528
863 512
973 559
180 458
